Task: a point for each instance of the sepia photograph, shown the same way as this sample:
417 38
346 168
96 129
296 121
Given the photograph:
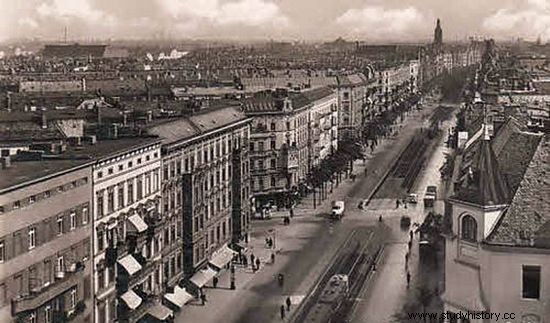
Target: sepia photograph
266 161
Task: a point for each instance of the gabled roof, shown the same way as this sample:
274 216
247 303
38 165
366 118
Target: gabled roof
482 181
194 125
527 220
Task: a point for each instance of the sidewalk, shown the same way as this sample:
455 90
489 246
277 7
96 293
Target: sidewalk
259 292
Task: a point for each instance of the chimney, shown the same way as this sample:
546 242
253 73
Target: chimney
44 120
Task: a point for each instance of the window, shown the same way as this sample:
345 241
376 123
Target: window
139 188
110 200
32 199
147 158
120 167
261 146
59 226
16 204
130 191
60 264
469 228
139 161
2 252
120 196
48 314
531 282
100 204
32 238
99 174
130 164
85 216
110 171
72 218
100 243
273 144
272 163
273 126
273 182
32 318
73 298
251 146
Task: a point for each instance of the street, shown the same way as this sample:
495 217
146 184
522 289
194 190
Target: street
306 247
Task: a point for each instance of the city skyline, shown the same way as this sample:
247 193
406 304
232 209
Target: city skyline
374 20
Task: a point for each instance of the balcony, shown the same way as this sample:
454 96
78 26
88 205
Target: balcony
38 297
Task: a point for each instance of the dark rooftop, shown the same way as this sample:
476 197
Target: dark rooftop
527 220
24 171
196 124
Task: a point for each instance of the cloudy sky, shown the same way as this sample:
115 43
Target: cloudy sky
371 20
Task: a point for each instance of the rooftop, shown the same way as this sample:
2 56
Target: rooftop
21 172
187 127
527 220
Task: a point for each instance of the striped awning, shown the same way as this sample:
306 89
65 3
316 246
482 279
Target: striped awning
203 276
160 312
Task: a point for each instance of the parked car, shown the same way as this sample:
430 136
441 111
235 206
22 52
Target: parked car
430 196
338 208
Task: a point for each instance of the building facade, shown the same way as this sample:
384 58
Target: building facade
45 223
205 184
130 236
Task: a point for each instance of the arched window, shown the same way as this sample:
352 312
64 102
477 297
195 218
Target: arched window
469 228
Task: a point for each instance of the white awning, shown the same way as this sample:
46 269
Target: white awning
222 257
138 223
203 276
179 297
160 312
131 299
130 263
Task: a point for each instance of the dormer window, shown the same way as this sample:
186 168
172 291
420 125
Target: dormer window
468 228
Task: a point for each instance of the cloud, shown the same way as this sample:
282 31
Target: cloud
379 22
74 9
253 13
530 21
27 22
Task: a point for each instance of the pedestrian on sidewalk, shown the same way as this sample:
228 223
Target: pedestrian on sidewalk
291 211
203 299
215 282
380 218
272 257
411 235
257 263
408 279
282 312
288 303
397 203
252 257
407 258
410 244
245 261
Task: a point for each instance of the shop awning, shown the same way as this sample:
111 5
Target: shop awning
131 299
203 276
179 297
137 222
222 257
130 263
160 312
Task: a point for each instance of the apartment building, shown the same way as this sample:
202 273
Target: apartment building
45 230
206 185
283 138
352 100
323 125
130 235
